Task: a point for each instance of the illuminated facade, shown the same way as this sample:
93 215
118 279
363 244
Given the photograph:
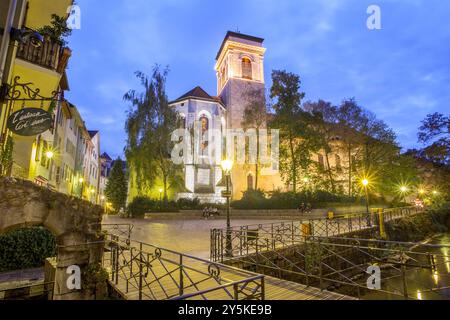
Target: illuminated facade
239 70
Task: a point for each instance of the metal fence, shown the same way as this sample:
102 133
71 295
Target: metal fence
407 270
141 271
39 291
262 237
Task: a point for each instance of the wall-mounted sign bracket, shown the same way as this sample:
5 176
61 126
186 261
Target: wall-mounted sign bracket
23 92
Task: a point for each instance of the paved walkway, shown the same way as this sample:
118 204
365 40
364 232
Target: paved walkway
185 236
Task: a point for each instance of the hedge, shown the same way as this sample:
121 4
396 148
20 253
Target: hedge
26 249
257 199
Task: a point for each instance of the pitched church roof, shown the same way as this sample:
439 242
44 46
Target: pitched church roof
198 93
231 34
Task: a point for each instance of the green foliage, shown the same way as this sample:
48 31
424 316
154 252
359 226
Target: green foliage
256 199
95 281
435 131
57 30
6 157
140 206
298 139
26 249
188 204
117 186
149 127
418 227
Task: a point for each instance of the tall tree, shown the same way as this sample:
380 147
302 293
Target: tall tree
295 128
324 120
435 131
349 116
149 126
255 117
117 186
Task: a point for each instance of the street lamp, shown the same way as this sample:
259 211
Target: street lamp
365 183
49 154
404 190
227 166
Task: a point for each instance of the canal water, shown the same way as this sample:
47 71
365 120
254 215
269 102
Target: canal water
422 283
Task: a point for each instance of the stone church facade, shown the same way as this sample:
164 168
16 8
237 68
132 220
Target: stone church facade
239 70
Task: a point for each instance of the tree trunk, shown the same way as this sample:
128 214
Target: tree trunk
350 164
166 199
294 164
330 174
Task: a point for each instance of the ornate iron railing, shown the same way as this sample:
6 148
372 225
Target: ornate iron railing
408 270
141 271
123 230
271 236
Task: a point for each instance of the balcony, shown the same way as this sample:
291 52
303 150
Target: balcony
51 54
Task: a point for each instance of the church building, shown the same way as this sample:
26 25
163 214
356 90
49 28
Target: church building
239 70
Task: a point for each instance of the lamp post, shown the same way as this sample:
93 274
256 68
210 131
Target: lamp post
403 190
365 184
227 166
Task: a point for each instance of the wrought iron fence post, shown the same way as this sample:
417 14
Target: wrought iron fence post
240 242
236 292
320 265
292 228
181 291
263 289
140 270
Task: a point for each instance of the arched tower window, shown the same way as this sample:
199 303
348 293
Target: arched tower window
247 68
250 182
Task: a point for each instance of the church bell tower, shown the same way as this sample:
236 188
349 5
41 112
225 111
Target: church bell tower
239 69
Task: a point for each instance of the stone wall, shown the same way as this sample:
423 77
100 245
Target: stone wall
76 225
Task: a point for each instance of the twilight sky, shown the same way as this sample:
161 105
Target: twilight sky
401 72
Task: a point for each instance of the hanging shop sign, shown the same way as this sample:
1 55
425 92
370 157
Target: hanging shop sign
30 122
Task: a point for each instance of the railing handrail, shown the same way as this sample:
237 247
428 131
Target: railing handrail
194 294
338 216
184 255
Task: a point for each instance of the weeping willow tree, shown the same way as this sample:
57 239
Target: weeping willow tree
149 126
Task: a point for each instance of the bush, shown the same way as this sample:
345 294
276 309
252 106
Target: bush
26 248
256 199
140 206
188 204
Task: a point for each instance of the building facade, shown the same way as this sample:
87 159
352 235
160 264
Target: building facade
239 72
64 158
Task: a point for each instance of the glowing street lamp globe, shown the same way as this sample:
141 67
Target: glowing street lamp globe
403 189
365 182
49 154
81 180
227 165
